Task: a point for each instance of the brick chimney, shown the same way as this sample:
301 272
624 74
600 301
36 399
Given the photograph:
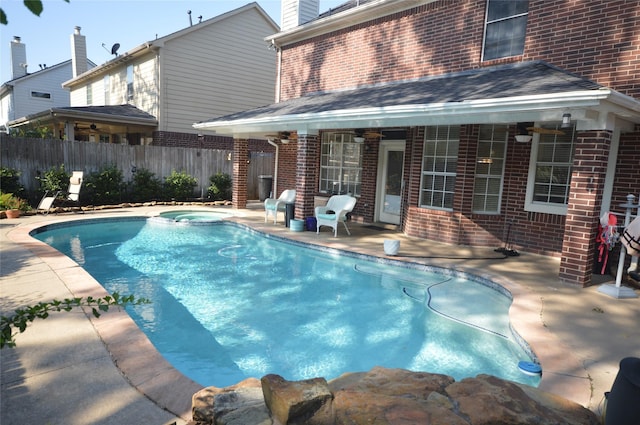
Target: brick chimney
18 58
78 53
296 12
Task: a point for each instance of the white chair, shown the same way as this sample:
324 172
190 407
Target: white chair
272 206
335 212
75 183
70 197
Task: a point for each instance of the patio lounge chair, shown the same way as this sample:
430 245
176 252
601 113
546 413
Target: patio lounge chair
272 206
46 203
70 197
334 212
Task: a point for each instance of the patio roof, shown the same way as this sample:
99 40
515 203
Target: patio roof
527 91
111 114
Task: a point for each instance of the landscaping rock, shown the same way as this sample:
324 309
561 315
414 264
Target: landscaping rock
386 397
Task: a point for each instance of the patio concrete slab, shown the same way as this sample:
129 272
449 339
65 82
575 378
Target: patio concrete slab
75 369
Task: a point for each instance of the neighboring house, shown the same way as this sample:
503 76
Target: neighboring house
154 92
28 93
414 107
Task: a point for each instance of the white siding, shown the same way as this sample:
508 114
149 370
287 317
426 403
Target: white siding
145 84
45 81
222 68
5 108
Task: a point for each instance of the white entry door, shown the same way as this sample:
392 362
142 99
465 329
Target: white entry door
390 182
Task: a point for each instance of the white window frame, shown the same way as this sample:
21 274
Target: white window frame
539 206
106 85
488 23
89 92
337 167
444 175
493 165
130 81
40 95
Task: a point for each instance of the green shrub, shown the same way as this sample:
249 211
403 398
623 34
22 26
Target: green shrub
8 201
220 187
54 179
145 186
179 185
10 181
34 131
103 187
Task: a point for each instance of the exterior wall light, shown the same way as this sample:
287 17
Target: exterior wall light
566 121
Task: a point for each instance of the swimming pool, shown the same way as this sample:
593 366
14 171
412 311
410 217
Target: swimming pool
230 303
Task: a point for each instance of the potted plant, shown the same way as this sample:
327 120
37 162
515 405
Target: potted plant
12 205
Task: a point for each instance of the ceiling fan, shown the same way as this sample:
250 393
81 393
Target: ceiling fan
360 134
284 136
92 127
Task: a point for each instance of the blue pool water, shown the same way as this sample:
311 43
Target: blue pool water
192 216
229 303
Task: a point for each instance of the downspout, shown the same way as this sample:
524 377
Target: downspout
275 171
278 71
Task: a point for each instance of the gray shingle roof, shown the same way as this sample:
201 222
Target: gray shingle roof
522 79
110 111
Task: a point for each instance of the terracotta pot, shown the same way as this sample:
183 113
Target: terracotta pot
12 213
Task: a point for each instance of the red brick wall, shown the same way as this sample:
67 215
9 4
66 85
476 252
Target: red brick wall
207 141
596 39
240 169
288 160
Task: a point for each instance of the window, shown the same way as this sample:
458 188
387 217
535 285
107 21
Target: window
487 187
107 87
40 95
505 28
550 171
129 83
439 163
340 164
89 95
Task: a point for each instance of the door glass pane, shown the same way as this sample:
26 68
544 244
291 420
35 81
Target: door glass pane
393 183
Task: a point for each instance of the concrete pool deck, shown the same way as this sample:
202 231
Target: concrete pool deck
75 369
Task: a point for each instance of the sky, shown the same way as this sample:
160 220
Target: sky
106 22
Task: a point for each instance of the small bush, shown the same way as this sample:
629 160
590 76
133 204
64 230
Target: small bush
220 187
54 179
9 201
103 187
145 186
179 185
10 181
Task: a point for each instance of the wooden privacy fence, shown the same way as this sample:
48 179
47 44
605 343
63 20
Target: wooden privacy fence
32 157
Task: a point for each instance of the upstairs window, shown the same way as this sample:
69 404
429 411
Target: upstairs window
340 164
439 164
40 95
505 28
129 83
550 171
107 89
89 95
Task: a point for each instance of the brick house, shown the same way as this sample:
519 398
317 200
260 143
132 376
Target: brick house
414 107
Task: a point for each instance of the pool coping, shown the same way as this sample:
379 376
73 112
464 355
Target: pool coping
152 375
